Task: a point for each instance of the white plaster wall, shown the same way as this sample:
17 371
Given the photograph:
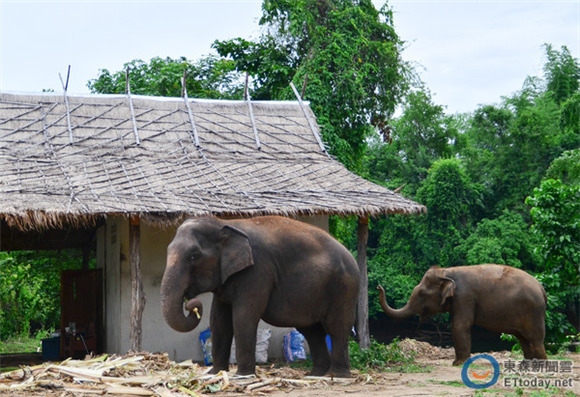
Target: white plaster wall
157 336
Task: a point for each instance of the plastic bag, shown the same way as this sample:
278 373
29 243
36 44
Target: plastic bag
205 339
294 346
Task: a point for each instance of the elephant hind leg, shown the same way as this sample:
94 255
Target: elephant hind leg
539 351
316 338
525 345
532 340
340 362
532 348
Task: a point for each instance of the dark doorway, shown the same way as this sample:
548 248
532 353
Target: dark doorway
81 299
31 262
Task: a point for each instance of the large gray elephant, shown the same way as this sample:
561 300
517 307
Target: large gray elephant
286 272
495 297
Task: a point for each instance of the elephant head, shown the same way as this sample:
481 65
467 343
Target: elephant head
432 295
202 256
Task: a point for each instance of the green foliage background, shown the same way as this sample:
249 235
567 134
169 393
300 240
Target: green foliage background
30 290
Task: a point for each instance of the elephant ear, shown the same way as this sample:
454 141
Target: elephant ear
447 289
236 252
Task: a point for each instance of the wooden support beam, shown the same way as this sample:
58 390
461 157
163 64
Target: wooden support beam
138 297
362 321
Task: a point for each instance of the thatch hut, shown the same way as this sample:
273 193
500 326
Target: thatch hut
125 170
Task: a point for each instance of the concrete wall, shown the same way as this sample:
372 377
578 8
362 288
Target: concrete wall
157 336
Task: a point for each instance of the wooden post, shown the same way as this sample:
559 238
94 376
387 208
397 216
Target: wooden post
86 257
362 322
138 297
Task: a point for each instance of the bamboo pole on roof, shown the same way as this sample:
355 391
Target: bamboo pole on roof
310 122
65 88
189 112
128 91
251 111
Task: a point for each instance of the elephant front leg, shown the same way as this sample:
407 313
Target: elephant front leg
461 331
245 330
222 332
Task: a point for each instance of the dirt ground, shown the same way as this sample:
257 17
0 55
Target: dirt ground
440 379
155 374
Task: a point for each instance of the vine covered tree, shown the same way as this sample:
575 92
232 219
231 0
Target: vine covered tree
346 50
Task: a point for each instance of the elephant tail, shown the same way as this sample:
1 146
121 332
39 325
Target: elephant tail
545 297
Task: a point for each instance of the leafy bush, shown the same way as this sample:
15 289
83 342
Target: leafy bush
398 286
381 357
505 240
559 295
556 214
24 343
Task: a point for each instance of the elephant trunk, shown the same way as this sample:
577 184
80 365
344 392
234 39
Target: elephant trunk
405 312
173 287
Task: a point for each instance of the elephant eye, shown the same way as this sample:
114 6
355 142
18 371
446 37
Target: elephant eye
195 255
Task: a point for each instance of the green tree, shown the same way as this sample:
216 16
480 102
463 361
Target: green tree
210 77
570 121
556 215
566 168
487 133
449 195
504 240
510 146
562 73
419 137
350 54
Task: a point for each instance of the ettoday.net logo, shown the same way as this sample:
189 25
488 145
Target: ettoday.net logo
477 373
469 376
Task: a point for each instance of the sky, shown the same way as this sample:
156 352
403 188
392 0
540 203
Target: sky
468 53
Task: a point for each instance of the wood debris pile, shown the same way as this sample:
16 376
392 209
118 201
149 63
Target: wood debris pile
425 350
145 374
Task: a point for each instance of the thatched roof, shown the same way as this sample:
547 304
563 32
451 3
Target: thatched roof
76 159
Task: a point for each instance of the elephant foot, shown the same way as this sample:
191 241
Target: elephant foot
339 373
245 371
460 361
216 370
318 371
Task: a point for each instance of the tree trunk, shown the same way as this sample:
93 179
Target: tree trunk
138 298
362 323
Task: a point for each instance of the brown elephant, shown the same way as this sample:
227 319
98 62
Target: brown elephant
495 297
286 272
